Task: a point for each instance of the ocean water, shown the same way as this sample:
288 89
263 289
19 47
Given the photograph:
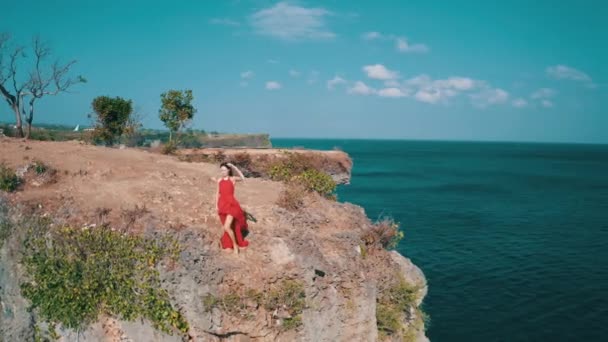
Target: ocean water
512 237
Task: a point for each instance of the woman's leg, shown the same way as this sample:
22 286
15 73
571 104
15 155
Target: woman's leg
228 230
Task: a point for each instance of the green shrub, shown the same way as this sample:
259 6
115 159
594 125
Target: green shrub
318 181
392 307
301 169
6 226
77 274
169 148
39 167
288 295
9 181
289 166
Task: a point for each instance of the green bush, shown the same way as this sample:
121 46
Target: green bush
300 168
392 307
39 167
77 274
318 181
169 148
112 117
289 166
288 295
9 181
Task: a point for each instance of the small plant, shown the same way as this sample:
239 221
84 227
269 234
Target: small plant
392 309
75 275
292 197
385 233
169 148
130 216
6 226
288 297
9 181
39 167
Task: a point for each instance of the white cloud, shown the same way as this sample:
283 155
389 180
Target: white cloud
519 103
287 21
337 80
403 45
294 73
246 75
436 91
371 35
419 81
380 72
458 83
543 93
224 22
543 96
568 73
546 103
361 88
428 96
392 84
391 92
489 96
273 85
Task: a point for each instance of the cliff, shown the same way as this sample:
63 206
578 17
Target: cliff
311 274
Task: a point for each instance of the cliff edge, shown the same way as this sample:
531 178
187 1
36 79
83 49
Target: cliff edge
312 274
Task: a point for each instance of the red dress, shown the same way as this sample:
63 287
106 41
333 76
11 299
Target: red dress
228 205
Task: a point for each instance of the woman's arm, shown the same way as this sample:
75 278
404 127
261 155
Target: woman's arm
234 168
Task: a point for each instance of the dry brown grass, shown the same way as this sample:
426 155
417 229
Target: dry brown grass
130 216
383 234
292 197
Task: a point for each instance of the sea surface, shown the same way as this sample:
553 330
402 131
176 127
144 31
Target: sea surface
512 237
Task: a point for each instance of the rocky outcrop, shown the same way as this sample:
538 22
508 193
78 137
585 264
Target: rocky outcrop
318 248
254 161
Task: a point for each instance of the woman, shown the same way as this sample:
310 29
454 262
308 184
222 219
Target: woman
231 215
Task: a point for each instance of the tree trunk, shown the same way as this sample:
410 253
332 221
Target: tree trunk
29 118
14 102
18 124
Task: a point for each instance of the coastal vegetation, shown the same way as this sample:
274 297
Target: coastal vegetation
74 275
285 301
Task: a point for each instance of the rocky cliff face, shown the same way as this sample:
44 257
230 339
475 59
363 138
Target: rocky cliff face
307 276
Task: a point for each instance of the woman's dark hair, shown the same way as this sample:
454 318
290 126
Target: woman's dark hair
228 167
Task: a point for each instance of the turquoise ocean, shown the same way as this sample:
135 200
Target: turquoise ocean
512 237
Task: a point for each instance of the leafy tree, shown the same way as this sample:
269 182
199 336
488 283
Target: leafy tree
176 110
112 117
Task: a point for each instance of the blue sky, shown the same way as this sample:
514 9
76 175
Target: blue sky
466 70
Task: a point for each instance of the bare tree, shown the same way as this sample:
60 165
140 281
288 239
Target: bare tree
39 83
9 73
